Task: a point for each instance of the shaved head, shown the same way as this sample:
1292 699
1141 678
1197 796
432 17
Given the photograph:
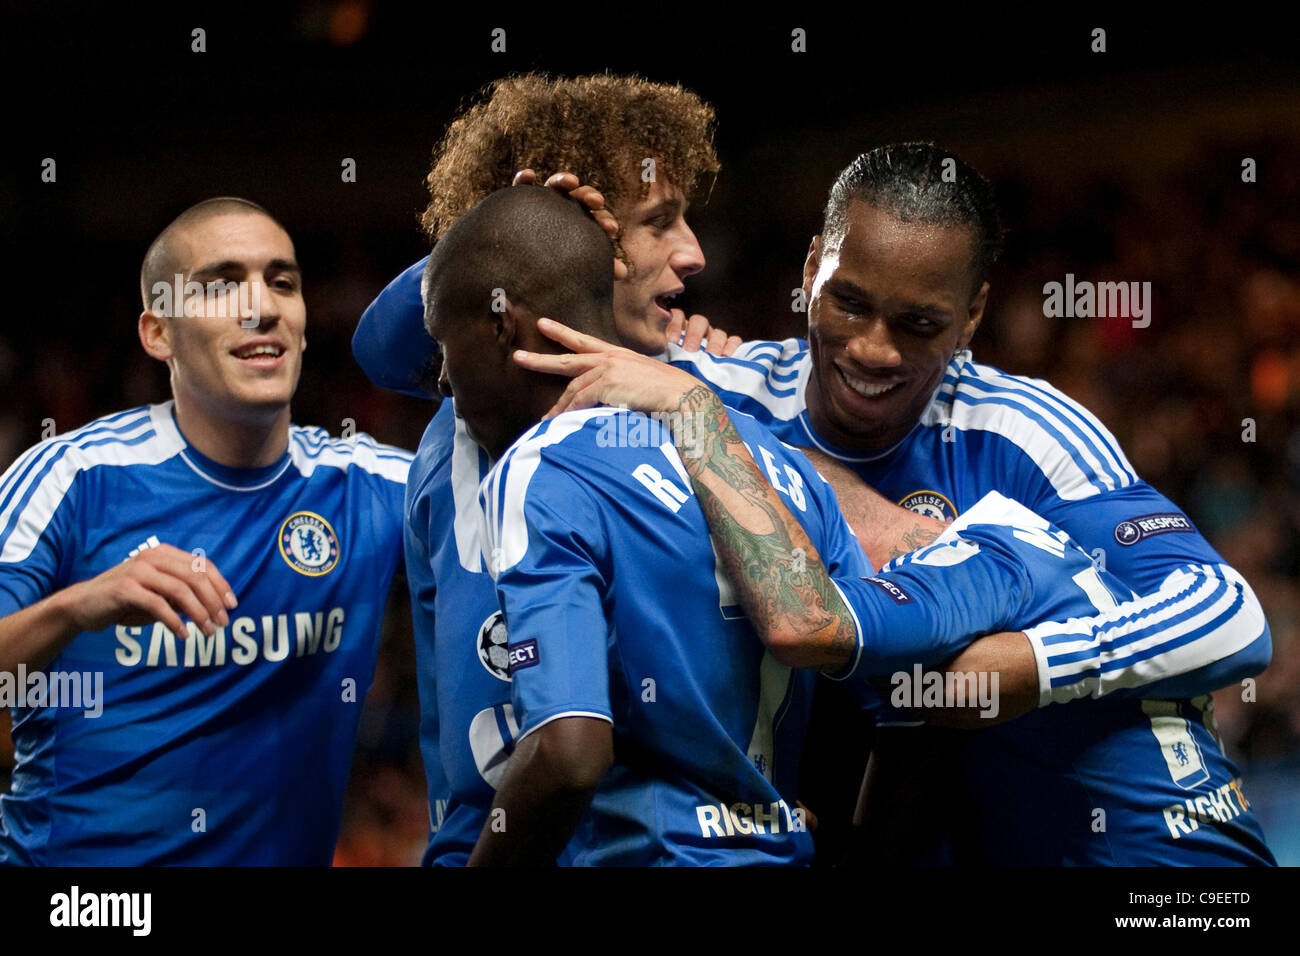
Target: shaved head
166 256
543 250
523 253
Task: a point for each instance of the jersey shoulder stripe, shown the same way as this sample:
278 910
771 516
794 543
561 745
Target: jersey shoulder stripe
469 465
1085 426
504 491
771 374
123 424
311 448
1075 452
132 440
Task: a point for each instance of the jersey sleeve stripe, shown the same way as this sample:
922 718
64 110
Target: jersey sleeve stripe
1187 589
1199 611
1143 637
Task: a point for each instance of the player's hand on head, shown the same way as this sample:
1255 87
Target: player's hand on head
606 374
589 196
161 583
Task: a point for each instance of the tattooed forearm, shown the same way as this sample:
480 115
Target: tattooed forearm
915 537
784 587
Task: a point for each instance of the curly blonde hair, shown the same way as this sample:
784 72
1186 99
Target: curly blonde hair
599 127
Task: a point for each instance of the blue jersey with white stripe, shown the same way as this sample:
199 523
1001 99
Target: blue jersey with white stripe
467 724
1110 781
985 430
232 749
467 721
601 555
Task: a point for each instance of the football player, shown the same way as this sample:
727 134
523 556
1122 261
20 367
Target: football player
230 698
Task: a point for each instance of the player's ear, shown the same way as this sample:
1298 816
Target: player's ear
509 324
155 335
811 263
973 316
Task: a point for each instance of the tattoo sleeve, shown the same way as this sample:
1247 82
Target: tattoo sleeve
783 585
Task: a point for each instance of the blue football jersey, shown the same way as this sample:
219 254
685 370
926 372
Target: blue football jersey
467 723
617 610
1112 781
232 749
985 430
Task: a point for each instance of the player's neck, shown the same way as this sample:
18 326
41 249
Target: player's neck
538 399
250 440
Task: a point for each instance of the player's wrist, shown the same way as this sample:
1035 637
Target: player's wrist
69 610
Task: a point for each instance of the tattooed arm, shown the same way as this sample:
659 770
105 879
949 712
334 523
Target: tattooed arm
783 586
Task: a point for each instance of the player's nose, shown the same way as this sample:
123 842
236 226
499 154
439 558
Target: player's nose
688 257
872 346
259 308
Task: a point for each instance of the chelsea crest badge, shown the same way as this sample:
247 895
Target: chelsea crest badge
309 544
931 504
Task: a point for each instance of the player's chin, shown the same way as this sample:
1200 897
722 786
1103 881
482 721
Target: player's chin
268 394
862 418
645 336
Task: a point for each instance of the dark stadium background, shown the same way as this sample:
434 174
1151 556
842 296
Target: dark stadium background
1123 166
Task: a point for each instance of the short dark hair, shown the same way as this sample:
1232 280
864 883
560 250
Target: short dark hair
919 182
161 261
542 249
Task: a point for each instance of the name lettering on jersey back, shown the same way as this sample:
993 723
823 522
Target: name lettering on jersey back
271 637
793 486
783 478
669 495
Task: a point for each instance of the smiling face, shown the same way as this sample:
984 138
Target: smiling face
223 363
887 308
661 252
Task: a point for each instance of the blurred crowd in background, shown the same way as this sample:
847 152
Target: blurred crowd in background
1205 401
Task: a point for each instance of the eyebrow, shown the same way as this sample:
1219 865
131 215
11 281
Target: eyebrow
839 286
673 204
227 266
